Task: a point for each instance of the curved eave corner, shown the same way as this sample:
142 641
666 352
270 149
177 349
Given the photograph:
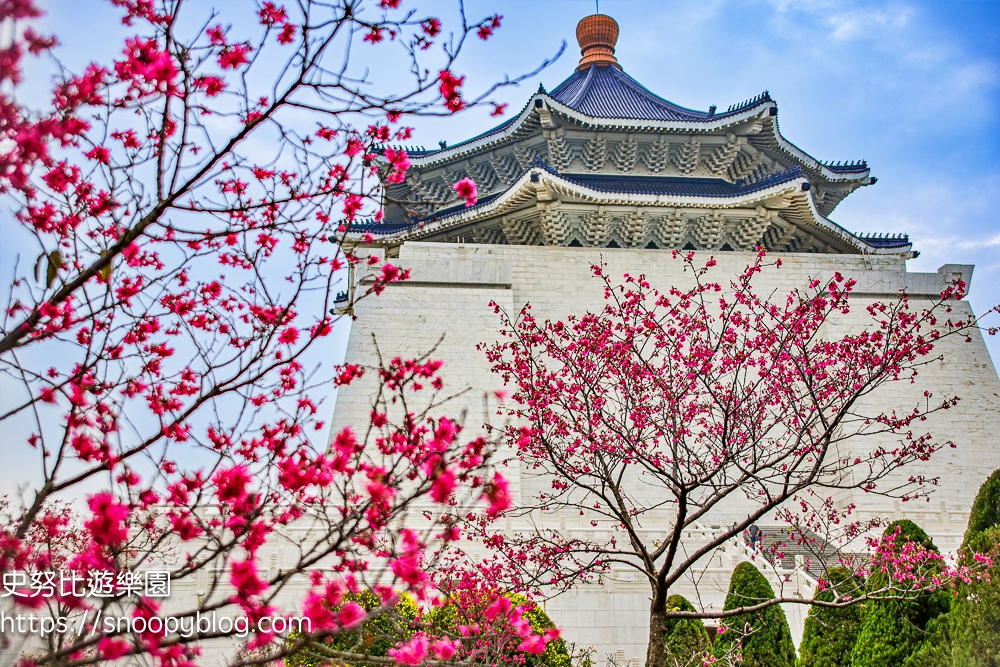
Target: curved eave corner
891 246
860 175
863 244
859 242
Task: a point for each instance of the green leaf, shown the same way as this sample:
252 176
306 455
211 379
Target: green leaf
53 262
55 257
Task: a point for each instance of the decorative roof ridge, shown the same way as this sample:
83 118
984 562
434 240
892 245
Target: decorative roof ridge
752 102
882 235
845 166
493 130
496 129
883 240
583 87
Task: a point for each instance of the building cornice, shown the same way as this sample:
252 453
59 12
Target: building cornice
541 183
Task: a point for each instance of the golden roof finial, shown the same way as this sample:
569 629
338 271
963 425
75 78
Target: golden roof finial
597 35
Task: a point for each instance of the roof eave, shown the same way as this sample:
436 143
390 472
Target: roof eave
860 177
852 239
446 154
564 186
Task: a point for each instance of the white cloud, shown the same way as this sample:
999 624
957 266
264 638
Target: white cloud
861 23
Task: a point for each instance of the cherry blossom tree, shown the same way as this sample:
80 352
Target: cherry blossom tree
664 407
179 216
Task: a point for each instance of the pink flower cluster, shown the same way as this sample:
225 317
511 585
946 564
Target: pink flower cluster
466 189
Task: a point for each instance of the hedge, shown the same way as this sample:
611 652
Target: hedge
769 643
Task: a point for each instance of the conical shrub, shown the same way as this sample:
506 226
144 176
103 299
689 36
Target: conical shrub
893 630
761 638
831 632
985 512
686 639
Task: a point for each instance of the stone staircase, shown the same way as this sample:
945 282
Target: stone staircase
781 548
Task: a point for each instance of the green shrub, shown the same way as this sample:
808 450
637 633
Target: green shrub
686 638
375 637
770 642
830 633
910 532
974 623
935 649
985 511
893 630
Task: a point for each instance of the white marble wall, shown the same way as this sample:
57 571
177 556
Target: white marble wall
446 304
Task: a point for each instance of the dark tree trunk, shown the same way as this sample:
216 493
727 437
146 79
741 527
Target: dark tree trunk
656 651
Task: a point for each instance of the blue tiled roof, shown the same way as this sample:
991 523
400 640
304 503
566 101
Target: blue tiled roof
393 227
608 92
847 167
496 130
679 186
379 227
885 240
458 208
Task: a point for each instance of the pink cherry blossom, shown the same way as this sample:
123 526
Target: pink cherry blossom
466 189
412 652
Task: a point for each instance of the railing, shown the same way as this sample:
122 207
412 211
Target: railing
737 551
